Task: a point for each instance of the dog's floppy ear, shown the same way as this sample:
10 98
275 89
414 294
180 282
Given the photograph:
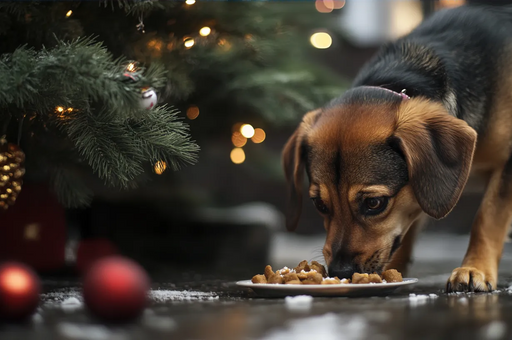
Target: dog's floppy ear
438 149
293 162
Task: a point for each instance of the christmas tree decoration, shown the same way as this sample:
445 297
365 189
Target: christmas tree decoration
149 98
11 173
116 289
19 291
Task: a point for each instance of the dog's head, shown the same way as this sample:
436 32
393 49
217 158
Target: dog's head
375 161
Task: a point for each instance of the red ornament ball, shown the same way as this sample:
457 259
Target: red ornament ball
116 289
19 291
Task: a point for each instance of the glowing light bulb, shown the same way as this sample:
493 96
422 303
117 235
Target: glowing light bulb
259 136
130 67
189 43
247 130
160 167
190 2
237 155
192 112
68 14
205 31
59 109
321 40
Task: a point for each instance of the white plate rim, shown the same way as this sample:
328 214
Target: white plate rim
275 286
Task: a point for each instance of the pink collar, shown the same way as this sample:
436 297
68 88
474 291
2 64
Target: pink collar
401 94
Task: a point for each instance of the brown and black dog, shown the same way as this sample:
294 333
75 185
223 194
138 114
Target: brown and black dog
429 110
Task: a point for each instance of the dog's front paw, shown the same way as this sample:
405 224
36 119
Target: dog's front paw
470 279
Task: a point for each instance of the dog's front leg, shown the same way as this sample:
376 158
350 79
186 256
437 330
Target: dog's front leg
479 271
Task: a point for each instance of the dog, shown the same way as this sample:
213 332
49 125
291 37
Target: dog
428 111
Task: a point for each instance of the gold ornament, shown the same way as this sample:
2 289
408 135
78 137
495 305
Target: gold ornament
11 173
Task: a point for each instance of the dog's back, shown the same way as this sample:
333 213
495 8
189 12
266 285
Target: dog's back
457 56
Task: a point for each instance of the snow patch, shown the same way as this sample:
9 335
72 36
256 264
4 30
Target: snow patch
299 302
178 295
88 332
494 330
326 327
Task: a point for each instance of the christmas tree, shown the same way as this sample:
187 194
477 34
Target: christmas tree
74 74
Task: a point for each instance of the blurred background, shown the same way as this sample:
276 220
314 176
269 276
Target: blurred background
241 74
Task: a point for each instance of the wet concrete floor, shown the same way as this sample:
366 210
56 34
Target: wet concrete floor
205 307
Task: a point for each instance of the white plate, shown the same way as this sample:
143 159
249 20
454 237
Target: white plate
348 289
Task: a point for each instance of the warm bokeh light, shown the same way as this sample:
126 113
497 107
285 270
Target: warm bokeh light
68 14
130 67
224 44
238 140
192 112
160 167
247 130
339 4
449 3
189 42
190 2
237 155
259 136
15 281
205 31
324 6
59 109
321 40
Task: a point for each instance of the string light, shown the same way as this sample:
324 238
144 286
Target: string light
189 42
259 136
59 109
321 40
130 67
190 2
205 31
247 130
68 14
238 140
192 112
237 156
160 167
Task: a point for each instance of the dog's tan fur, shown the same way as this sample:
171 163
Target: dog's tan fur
351 130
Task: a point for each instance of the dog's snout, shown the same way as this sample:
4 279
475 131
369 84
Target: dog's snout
342 271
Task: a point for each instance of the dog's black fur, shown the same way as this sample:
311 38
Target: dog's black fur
453 57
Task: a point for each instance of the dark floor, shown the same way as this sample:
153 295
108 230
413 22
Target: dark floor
217 309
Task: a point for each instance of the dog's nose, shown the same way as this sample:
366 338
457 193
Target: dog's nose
342 271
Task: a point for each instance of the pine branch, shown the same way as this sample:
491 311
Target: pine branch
100 115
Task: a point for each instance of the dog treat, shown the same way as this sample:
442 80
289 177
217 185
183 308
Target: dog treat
331 281
291 277
294 282
259 279
283 271
314 273
303 266
319 268
360 278
313 277
268 271
276 278
392 275
374 278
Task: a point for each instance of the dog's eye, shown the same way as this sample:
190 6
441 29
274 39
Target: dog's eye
375 205
320 205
